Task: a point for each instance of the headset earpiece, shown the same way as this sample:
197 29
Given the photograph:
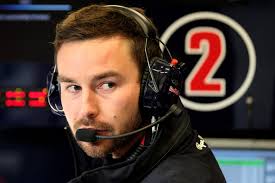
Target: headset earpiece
54 98
168 78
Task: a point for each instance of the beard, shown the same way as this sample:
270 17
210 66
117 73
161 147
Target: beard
103 147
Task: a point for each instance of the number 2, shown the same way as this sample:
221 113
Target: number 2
210 43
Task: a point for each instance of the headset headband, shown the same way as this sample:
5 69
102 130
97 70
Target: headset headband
147 27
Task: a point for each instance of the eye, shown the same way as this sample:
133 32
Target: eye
73 88
107 86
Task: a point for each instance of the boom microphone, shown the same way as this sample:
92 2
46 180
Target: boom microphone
88 135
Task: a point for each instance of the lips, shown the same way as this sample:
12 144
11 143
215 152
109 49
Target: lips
102 132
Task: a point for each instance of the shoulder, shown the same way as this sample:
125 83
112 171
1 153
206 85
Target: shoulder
189 165
185 168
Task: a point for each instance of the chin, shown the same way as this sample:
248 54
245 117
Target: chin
96 150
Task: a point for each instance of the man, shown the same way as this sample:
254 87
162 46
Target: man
103 75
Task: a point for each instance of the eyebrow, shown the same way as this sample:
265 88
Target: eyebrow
61 78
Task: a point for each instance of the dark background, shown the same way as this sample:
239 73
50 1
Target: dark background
33 143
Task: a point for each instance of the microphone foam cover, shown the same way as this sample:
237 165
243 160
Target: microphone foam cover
86 135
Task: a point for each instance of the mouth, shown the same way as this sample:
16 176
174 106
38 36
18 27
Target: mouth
102 132
92 135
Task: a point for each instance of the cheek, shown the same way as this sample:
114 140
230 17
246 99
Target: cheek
126 104
129 101
70 110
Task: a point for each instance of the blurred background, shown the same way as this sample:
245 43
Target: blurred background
237 118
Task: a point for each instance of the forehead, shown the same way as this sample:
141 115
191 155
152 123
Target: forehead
95 55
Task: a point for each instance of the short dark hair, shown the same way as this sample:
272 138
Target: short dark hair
100 21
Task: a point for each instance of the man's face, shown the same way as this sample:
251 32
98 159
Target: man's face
100 88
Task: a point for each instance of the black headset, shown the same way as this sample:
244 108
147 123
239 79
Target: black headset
162 81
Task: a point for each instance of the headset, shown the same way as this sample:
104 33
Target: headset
161 83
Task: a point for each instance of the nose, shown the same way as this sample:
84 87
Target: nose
89 104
